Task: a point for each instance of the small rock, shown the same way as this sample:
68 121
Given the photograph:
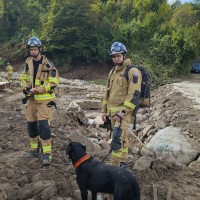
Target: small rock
136 151
152 132
147 152
143 163
94 140
77 195
104 144
36 178
49 192
147 129
10 174
109 141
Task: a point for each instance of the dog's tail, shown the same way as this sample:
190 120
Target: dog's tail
136 189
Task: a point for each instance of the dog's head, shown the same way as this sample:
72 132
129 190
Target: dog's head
75 150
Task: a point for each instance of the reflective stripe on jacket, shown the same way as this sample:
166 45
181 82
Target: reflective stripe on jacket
46 79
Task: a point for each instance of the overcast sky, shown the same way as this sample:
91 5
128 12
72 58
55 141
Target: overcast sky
182 1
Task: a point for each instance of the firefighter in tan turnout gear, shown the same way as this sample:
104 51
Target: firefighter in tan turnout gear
9 70
121 98
38 81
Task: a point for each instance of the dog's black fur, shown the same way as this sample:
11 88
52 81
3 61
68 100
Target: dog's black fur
99 177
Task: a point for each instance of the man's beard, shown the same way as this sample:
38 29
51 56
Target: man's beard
35 56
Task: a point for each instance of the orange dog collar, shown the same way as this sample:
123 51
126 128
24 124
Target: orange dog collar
81 160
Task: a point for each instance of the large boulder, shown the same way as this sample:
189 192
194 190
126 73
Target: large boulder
170 141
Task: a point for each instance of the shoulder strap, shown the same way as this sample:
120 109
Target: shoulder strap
50 64
128 67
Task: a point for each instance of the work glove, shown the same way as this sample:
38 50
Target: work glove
119 116
25 99
26 90
116 141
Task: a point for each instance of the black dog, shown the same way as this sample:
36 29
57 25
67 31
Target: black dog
99 177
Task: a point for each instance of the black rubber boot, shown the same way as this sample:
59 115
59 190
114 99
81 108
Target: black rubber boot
123 165
33 153
46 159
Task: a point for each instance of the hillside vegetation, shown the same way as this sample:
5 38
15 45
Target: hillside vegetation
163 37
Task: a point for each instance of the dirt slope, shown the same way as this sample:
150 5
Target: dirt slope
25 178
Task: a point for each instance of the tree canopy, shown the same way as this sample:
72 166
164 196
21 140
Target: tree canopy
163 37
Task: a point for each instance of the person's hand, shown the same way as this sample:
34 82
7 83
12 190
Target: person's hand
34 90
103 116
118 117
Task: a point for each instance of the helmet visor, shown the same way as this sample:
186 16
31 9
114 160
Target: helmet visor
115 48
34 43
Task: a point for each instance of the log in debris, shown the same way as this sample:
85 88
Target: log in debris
4 85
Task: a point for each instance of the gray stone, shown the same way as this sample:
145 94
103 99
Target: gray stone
104 144
152 132
135 150
170 141
143 163
195 165
36 178
10 174
145 151
77 195
147 129
94 140
73 106
49 192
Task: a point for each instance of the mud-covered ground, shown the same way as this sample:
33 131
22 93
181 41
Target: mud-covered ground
22 177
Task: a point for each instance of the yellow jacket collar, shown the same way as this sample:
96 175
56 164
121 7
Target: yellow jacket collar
30 59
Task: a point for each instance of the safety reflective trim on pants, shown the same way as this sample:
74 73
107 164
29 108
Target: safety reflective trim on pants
119 154
37 82
45 96
47 87
129 104
124 150
53 80
104 102
34 145
46 149
115 109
